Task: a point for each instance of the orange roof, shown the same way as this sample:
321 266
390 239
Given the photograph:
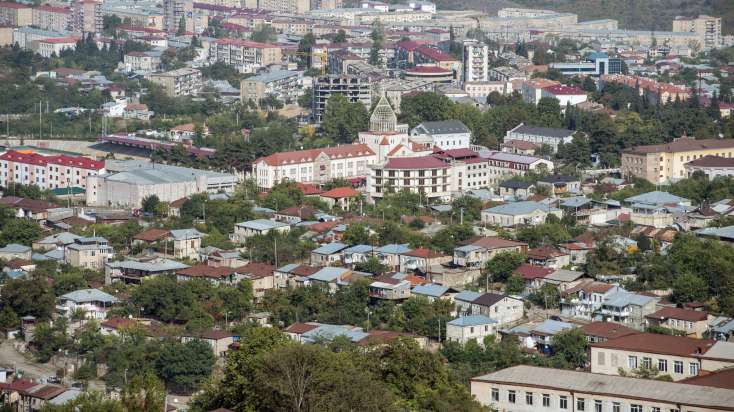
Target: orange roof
310 155
423 252
152 235
340 192
205 271
679 313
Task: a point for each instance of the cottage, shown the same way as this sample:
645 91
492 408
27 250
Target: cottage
219 340
559 185
328 255
516 189
543 333
93 302
421 259
548 256
501 308
692 323
88 253
216 275
476 251
519 213
389 255
465 328
432 291
15 251
260 275
356 254
134 271
244 230
342 197
186 243
389 288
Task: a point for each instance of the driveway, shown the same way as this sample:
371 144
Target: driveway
10 357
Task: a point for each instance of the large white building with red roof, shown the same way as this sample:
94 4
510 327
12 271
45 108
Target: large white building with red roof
47 172
314 165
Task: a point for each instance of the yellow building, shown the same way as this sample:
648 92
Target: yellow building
663 163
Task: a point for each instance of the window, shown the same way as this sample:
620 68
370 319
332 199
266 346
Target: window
495 394
616 407
600 358
654 409
632 362
597 406
647 362
511 396
635 408
529 398
662 365
678 367
580 404
546 400
563 402
693 368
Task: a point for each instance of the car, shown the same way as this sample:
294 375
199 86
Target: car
53 379
556 318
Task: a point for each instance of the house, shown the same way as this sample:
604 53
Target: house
586 299
26 395
295 214
540 135
26 266
134 271
227 258
520 147
388 288
421 259
433 291
291 271
330 277
559 185
516 189
15 251
150 236
719 357
564 279
603 331
445 134
215 275
343 197
477 251
219 340
656 209
88 253
93 302
721 328
677 356
587 211
526 388
692 323
548 256
186 243
543 333
502 308
356 254
576 250
244 230
55 241
313 332
628 308
463 301
519 213
533 275
328 255
30 208
389 255
261 275
465 328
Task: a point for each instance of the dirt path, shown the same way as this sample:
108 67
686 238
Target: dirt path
10 357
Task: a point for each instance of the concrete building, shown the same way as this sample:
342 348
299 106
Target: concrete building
245 55
711 166
426 175
566 95
595 64
134 180
519 213
54 18
314 165
15 14
245 230
476 62
540 135
86 16
446 134
281 84
176 10
664 163
145 61
179 82
482 89
88 253
532 90
354 88
54 46
706 27
470 327
531 388
47 172
692 323
93 302
284 6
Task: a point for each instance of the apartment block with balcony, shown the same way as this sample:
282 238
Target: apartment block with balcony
708 28
245 55
15 14
426 175
54 18
281 84
179 82
47 172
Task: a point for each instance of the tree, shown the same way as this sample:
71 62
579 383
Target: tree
181 26
28 297
144 393
264 34
69 282
8 319
22 231
570 347
688 287
185 366
163 298
341 36
378 38
514 285
371 265
150 203
305 48
547 296
501 266
423 107
343 119
356 234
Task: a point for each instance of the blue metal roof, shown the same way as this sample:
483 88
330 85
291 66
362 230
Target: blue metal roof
520 208
358 249
551 327
262 224
330 249
394 248
430 289
328 274
467 296
89 295
473 320
657 198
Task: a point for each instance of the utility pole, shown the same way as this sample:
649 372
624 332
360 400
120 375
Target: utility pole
462 215
275 248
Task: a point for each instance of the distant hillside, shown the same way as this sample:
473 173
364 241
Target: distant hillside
632 14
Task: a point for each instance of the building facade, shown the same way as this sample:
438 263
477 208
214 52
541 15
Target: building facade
245 55
476 62
708 28
54 18
354 88
47 172
179 82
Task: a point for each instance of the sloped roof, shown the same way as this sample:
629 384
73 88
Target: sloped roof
473 320
680 314
657 343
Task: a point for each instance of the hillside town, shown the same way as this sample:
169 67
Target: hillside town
259 205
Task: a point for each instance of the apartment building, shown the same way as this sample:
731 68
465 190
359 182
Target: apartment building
531 388
677 356
314 165
482 89
281 84
245 55
656 92
284 6
180 82
532 90
86 16
54 46
427 175
707 27
174 11
146 61
566 95
88 253
476 62
15 14
54 18
540 136
354 88
663 163
47 172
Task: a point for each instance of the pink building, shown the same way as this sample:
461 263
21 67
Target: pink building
47 172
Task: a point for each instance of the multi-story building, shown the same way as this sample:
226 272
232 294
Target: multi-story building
245 55
284 6
476 62
47 172
693 323
354 88
15 14
54 46
540 135
656 92
482 89
180 82
566 95
676 356
281 84
138 13
146 61
532 90
445 134
596 64
86 16
52 18
174 11
88 253
667 162
427 175
532 388
314 165
707 27
711 166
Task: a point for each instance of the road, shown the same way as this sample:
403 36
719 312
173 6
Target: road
10 357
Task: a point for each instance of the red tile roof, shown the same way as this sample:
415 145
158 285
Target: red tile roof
18 385
310 155
247 43
305 270
607 330
422 162
428 69
211 334
544 252
659 344
520 144
308 189
561 90
152 235
434 54
530 272
340 192
712 161
683 144
53 9
256 270
205 271
300 328
723 378
425 253
493 242
40 160
34 205
47 392
680 314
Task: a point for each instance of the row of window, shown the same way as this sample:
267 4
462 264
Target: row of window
546 401
662 365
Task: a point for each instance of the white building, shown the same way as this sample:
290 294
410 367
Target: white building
565 95
540 135
427 175
54 46
476 62
519 213
47 172
245 230
93 302
445 134
314 165
465 328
